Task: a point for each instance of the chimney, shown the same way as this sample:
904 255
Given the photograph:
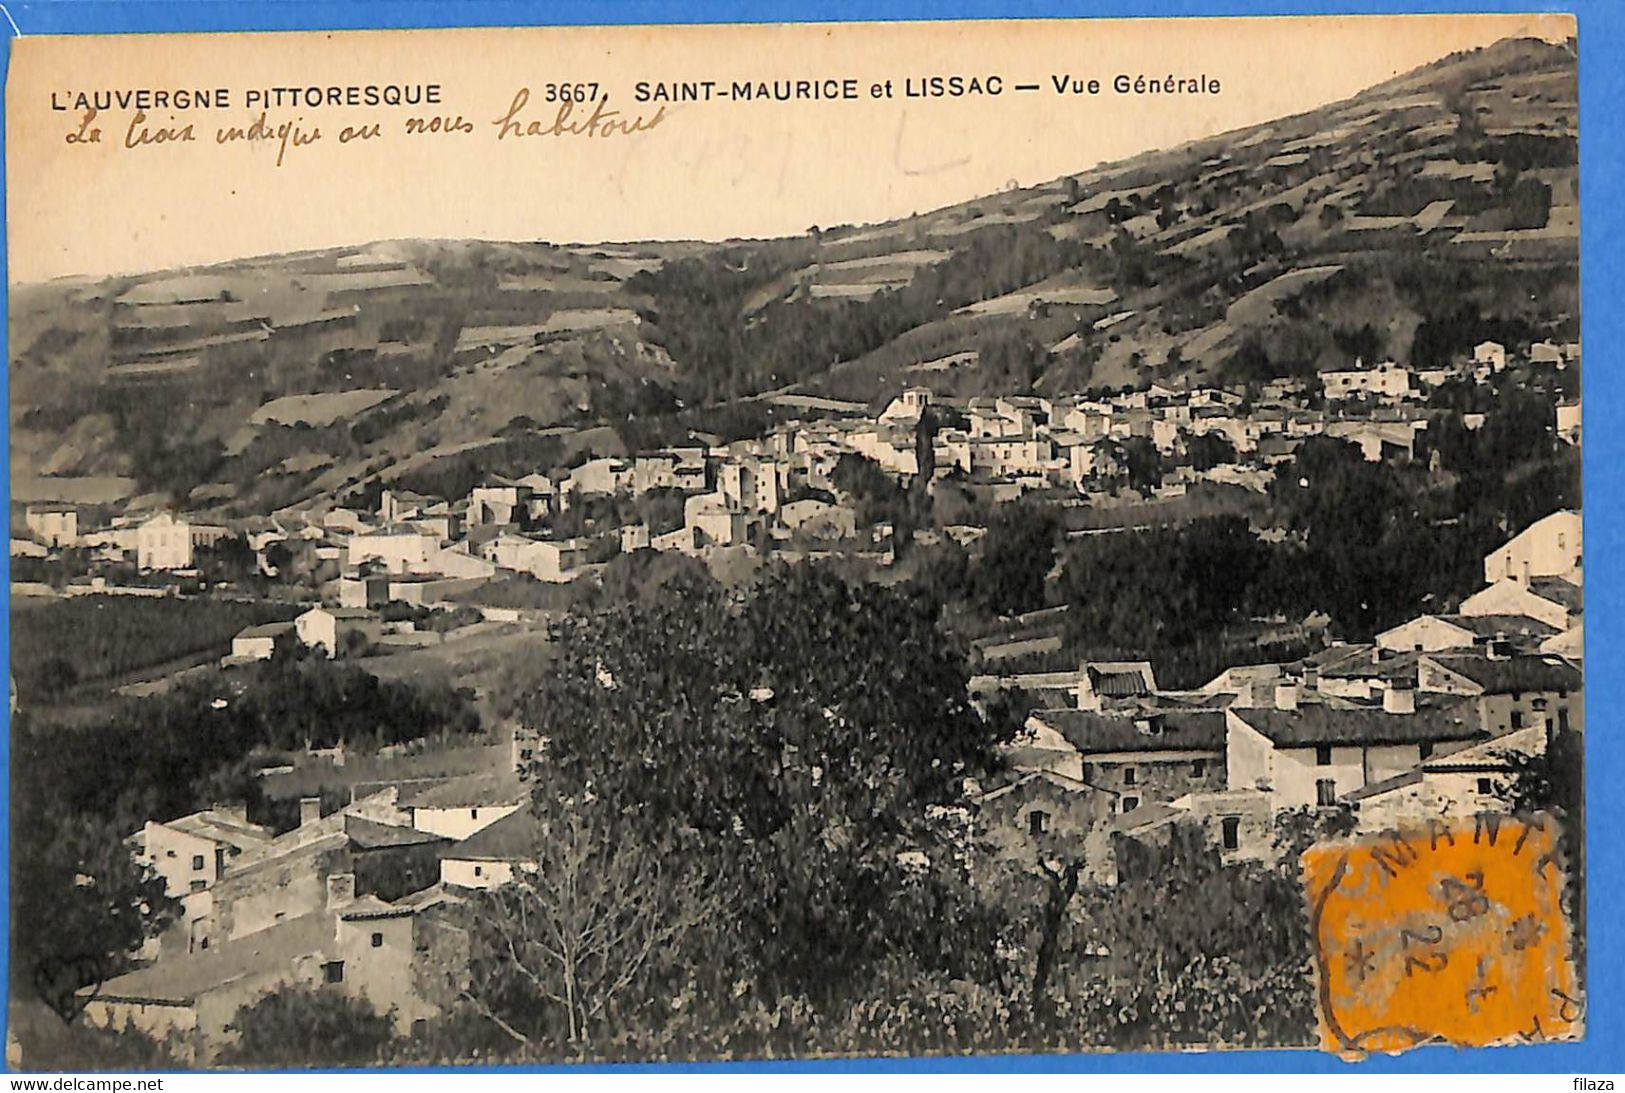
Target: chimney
310 810
1398 698
340 889
1311 678
1286 696
236 810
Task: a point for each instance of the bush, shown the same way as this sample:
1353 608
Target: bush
307 1026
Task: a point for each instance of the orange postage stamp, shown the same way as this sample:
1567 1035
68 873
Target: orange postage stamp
1445 931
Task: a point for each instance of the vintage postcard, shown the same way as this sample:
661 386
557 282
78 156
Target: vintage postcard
788 541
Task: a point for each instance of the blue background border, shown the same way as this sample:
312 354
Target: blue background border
1602 167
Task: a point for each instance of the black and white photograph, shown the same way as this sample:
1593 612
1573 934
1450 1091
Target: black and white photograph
780 542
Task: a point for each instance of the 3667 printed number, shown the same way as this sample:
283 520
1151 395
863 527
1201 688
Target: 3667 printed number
569 92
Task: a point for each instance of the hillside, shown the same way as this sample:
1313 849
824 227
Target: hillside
1404 222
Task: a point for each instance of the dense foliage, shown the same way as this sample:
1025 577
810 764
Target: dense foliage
305 1027
78 791
802 731
164 756
65 642
80 904
699 302
1195 952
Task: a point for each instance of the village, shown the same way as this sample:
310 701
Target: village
779 493
369 896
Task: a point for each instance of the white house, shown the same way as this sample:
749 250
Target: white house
504 503
600 477
709 520
491 856
53 526
1379 439
454 561
1550 547
1387 380
1547 353
345 520
819 518
546 560
326 627
363 591
1490 354
387 954
397 552
1552 600
399 506
258 642
891 446
1509 693
749 484
1312 755
1011 453
908 406
1568 422
1140 757
192 852
461 806
1461 784
1436 633
164 542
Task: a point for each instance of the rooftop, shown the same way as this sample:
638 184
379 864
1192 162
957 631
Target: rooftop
1387 785
1148 816
1309 726
515 837
1488 626
1512 675
223 827
481 789
182 979
1373 663
1121 679
371 907
1559 591
266 630
371 835
1060 781
1144 730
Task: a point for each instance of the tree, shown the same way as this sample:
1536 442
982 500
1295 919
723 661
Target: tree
1016 555
1062 886
875 495
1154 591
1010 358
803 731
1199 951
645 575
303 1026
56 675
604 916
231 559
1142 461
81 904
1530 203
1208 450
